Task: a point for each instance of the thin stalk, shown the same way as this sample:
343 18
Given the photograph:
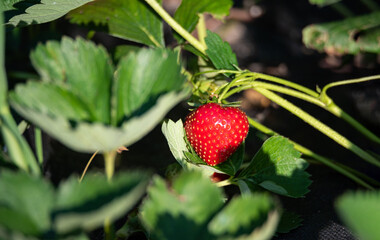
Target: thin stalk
338 138
177 27
277 88
337 111
332 165
344 171
39 145
109 163
87 165
347 82
323 102
286 83
108 229
201 27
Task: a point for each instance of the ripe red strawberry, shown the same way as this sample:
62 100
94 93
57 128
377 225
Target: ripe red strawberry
215 132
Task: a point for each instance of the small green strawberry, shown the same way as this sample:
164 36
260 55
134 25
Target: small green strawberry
215 132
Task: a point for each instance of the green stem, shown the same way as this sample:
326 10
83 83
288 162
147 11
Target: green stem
344 171
286 83
323 100
108 229
319 126
202 30
19 150
332 165
109 162
277 88
39 145
178 28
337 111
346 82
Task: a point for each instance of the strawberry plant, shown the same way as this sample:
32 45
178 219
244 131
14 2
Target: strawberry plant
94 98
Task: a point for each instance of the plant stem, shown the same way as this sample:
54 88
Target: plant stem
277 88
109 162
87 165
308 152
347 82
337 111
178 28
19 150
332 165
286 83
108 229
319 126
39 145
201 27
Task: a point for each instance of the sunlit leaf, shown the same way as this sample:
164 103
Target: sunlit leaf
45 11
187 13
175 134
128 19
220 52
277 167
87 105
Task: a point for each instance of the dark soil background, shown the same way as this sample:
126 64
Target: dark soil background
267 37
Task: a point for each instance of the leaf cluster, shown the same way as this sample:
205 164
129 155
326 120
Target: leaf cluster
30 206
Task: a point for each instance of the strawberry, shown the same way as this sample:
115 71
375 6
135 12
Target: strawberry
215 132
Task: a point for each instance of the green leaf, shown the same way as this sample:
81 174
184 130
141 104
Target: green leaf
243 217
289 221
6 5
277 167
123 50
95 108
46 11
323 3
51 100
86 205
90 137
175 135
361 212
187 13
232 165
82 68
128 19
25 203
182 211
348 36
142 77
19 150
220 52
